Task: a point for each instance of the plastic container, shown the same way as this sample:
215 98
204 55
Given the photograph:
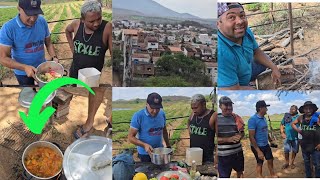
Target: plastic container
90 76
194 154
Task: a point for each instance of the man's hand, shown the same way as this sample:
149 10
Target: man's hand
235 138
148 149
260 154
276 76
30 71
318 147
283 135
55 59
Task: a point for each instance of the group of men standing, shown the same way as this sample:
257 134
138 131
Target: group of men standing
229 128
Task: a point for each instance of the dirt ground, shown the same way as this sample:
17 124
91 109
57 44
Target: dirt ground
250 163
60 132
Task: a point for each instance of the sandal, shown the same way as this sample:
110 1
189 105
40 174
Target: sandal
285 166
292 166
82 131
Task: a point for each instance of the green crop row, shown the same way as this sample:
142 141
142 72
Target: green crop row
59 25
177 133
75 11
6 14
107 16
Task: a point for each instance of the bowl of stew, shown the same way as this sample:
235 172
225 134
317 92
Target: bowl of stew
42 160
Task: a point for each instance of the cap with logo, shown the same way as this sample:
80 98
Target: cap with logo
31 7
155 101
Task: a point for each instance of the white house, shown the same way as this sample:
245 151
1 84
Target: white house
204 39
140 57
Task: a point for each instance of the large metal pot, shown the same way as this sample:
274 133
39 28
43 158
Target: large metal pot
161 156
40 144
46 67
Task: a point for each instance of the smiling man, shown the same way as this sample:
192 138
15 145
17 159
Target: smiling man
22 41
230 131
240 59
150 126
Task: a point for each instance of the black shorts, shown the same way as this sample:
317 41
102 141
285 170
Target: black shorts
266 150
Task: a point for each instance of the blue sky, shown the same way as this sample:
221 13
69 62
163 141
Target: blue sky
244 101
128 93
200 8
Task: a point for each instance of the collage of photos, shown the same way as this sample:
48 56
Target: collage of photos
50 128
159 90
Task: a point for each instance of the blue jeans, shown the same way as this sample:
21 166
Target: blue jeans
25 80
315 155
256 70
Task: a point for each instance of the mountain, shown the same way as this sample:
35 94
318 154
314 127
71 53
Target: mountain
149 8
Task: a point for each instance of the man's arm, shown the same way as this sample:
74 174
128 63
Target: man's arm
70 29
107 34
5 60
283 134
166 136
50 49
264 60
132 139
294 126
254 144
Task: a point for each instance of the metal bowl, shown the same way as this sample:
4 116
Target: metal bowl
46 67
161 156
40 144
76 161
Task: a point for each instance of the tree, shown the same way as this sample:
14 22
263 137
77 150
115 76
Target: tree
192 71
120 36
194 40
117 59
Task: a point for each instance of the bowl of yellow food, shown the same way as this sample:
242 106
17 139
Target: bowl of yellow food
42 160
48 71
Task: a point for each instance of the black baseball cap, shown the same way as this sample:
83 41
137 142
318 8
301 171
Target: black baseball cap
154 100
261 104
31 7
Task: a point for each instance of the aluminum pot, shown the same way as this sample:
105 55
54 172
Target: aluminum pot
46 67
161 156
40 144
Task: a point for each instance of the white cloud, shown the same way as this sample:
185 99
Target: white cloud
250 97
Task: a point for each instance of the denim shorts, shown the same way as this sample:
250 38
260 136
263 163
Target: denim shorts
291 146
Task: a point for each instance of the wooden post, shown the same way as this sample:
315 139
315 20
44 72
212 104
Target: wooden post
271 12
291 28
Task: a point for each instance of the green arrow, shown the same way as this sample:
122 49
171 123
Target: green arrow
36 120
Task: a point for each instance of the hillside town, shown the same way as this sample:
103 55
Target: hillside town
143 44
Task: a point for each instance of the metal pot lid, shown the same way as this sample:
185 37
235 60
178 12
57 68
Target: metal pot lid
27 94
77 160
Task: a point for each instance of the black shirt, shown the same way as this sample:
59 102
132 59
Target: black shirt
202 135
89 50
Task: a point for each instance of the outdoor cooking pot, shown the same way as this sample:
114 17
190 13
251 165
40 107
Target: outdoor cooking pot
46 67
40 144
161 156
